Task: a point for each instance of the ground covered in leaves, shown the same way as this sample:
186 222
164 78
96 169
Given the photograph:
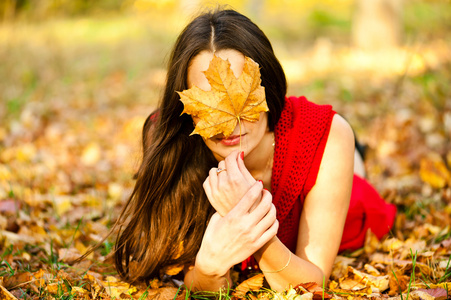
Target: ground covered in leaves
72 107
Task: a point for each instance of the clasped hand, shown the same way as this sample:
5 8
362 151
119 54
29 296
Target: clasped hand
245 219
226 188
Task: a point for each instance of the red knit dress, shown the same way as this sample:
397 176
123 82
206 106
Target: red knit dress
301 135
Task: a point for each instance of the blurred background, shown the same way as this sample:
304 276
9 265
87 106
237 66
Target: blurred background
78 78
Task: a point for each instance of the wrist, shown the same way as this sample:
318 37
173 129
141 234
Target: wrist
259 253
208 267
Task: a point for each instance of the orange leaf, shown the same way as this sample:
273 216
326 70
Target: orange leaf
313 288
434 172
230 99
5 294
253 284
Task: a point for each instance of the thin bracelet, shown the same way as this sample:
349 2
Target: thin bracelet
284 267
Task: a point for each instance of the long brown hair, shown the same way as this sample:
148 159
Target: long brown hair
168 207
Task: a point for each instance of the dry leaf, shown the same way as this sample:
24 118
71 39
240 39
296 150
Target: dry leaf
166 293
335 287
371 242
5 294
397 283
56 288
438 293
253 284
371 270
115 288
175 269
15 280
229 101
340 267
434 171
312 288
68 254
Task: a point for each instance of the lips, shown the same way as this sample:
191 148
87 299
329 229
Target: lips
231 140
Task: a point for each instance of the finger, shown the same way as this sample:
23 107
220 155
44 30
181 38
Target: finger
244 171
267 221
213 178
222 164
223 170
267 235
207 188
233 171
263 207
248 199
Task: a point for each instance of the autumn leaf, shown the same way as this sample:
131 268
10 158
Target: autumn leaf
175 269
68 147
437 293
433 171
313 288
5 294
229 101
254 283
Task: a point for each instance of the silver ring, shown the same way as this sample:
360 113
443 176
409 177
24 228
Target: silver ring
219 170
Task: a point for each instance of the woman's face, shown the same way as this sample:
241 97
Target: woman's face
251 134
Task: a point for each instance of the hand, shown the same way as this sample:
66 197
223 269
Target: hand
225 189
231 239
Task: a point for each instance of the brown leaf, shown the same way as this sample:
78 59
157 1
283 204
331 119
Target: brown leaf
68 254
164 293
438 293
397 283
313 288
230 99
17 280
253 284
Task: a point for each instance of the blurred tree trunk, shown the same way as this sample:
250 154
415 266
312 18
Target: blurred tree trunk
377 24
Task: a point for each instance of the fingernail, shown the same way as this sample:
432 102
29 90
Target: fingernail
242 155
266 189
260 181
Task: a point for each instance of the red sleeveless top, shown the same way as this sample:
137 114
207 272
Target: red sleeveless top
301 135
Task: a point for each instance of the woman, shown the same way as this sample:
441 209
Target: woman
277 189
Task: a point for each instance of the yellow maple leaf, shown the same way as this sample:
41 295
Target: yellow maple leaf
434 172
229 101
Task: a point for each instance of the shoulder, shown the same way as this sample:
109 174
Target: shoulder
341 133
338 157
339 150
336 171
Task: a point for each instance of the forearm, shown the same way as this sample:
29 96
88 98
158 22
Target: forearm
274 256
196 280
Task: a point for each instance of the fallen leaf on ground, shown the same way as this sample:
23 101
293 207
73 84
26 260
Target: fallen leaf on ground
437 293
433 171
5 294
250 285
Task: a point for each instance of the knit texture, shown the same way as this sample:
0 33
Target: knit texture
301 135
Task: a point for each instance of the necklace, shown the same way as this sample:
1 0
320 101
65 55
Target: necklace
269 162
